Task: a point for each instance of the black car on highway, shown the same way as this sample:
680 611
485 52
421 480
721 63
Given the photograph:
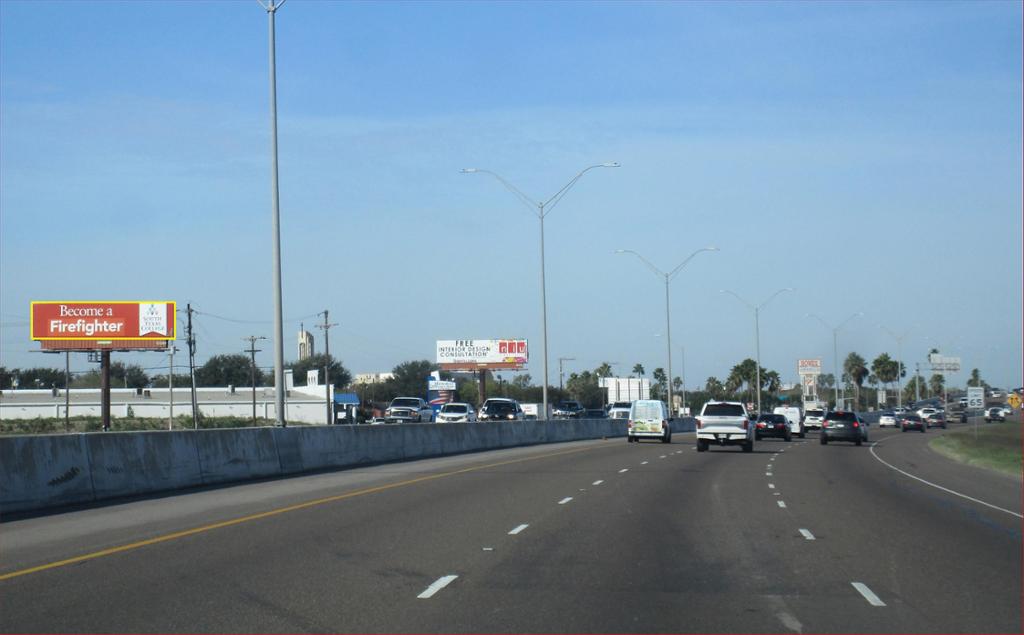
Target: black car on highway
770 425
913 421
843 425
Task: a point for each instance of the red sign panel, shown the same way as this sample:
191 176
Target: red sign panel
103 321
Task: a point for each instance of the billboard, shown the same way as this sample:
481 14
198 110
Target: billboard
940 363
476 354
88 324
808 367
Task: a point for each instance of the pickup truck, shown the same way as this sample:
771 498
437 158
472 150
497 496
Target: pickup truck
408 410
724 423
569 410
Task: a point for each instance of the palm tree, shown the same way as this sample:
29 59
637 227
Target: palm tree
714 387
604 370
857 372
638 370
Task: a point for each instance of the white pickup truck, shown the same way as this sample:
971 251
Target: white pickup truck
724 423
408 410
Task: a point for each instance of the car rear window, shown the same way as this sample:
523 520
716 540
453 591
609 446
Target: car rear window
841 416
772 418
912 418
455 408
406 403
815 413
723 410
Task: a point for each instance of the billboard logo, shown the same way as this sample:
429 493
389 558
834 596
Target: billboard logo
152 318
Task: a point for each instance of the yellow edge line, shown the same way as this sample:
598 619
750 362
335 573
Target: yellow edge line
267 514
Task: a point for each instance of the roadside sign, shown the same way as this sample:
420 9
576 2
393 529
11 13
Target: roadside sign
976 397
1013 400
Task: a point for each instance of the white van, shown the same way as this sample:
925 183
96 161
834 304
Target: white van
794 417
648 419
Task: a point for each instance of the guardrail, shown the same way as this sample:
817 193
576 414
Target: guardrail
44 471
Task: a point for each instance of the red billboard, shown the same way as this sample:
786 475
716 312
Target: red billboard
103 321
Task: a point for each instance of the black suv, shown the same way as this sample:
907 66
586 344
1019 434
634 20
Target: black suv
840 425
769 425
498 409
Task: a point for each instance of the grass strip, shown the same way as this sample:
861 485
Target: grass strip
997 446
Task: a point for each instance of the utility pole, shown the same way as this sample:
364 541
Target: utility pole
170 390
252 350
192 368
326 326
917 381
561 373
684 378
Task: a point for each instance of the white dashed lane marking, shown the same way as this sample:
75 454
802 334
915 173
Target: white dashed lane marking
643 463
863 589
597 482
771 485
625 469
806 534
517 530
565 500
782 504
439 584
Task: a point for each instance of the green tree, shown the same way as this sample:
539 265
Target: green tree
340 376
231 370
660 388
714 388
857 372
638 370
742 374
604 370
180 381
935 383
975 380
584 388
410 378
826 380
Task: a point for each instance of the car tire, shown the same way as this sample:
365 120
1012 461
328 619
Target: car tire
757 437
667 439
924 429
702 445
748 446
629 438
824 439
859 442
788 437
802 435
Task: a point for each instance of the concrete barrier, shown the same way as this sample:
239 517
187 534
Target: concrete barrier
37 472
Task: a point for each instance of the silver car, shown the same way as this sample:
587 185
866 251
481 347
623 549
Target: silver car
456 412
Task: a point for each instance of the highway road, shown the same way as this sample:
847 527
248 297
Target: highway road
593 536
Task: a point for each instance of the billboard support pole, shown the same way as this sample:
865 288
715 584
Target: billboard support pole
67 391
482 386
105 389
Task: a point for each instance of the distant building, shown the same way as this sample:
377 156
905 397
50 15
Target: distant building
305 343
372 378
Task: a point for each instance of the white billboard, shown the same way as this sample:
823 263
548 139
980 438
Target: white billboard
941 363
808 367
482 352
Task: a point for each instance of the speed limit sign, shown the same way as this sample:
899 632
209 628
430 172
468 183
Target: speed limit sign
976 397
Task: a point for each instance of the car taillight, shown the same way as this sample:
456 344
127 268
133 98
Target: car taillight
698 424
856 425
663 424
760 425
629 423
746 424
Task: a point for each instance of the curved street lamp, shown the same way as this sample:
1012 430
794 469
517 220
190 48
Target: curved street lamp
543 208
668 328
835 348
757 331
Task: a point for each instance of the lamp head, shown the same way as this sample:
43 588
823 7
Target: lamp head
611 164
468 170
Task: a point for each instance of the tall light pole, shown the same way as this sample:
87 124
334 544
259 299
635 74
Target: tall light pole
757 331
899 363
668 327
543 208
271 7
835 347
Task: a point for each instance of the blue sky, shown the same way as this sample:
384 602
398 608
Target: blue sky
866 154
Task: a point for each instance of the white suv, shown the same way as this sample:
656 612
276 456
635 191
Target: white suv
408 410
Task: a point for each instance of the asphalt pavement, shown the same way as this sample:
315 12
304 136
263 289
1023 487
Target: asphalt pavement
593 536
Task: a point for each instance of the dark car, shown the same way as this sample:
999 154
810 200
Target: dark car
596 413
769 425
569 410
935 420
498 409
840 425
913 421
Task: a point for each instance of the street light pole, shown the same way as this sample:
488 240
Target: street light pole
668 323
835 348
757 332
543 208
271 7
899 363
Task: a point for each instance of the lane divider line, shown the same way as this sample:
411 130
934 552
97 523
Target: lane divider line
944 489
565 500
438 584
598 482
623 470
782 504
771 485
643 463
806 534
517 530
868 594
768 474
275 512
